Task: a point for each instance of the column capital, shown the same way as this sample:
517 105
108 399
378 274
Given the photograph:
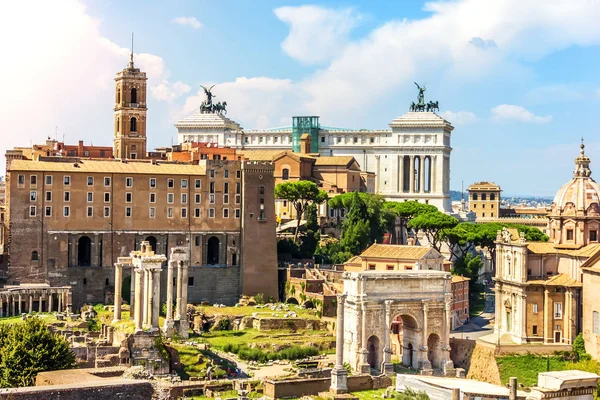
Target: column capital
341 298
425 306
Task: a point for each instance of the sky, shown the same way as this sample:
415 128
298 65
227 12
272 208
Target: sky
517 79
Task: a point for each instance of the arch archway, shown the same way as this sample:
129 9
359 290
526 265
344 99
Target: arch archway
212 251
373 356
84 251
405 338
309 304
434 351
292 300
152 240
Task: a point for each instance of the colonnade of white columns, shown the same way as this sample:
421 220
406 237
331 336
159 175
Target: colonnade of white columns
21 301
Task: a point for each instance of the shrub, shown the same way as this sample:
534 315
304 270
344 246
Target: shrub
222 325
256 354
259 298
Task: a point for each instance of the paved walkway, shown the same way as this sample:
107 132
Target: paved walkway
480 325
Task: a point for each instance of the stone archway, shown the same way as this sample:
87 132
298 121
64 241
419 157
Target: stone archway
373 348
212 252
153 242
308 304
434 351
292 300
405 339
84 251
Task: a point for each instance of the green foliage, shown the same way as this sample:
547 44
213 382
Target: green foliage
311 234
332 253
468 266
410 394
579 346
288 246
433 225
29 348
260 355
407 210
223 325
259 298
348 368
93 325
300 194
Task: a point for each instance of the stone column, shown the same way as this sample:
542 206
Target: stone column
138 299
12 305
547 312
144 297
184 325
132 295
498 305
41 302
386 365
156 299
179 288
1 307
50 302
60 296
150 298
118 291
339 375
20 299
425 363
412 175
447 364
169 325
365 368
433 174
422 174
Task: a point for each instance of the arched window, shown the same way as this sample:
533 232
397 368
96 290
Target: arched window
474 196
212 252
84 251
133 125
134 95
34 256
483 196
117 127
492 196
285 174
152 241
118 95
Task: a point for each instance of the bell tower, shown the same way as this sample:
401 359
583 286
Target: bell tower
130 112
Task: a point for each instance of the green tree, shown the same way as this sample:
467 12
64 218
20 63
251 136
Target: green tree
311 233
468 266
411 394
406 211
433 225
300 194
28 348
356 228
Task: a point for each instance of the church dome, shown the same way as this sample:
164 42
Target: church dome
580 194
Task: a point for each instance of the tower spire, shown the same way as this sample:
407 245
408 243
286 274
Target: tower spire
131 55
582 163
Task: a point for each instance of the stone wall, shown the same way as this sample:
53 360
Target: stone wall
483 366
462 350
267 324
296 388
213 285
104 389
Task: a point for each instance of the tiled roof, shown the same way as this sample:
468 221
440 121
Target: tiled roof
550 248
395 251
354 260
108 167
557 280
458 279
260 155
334 160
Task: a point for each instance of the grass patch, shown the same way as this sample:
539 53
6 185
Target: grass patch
194 362
256 354
369 394
220 339
47 318
477 304
262 312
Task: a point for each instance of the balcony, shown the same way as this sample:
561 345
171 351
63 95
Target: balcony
136 105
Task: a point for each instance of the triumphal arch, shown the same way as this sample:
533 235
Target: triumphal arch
405 314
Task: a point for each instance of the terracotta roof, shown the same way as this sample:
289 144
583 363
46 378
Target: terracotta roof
354 260
550 248
557 280
396 251
334 160
260 155
109 166
458 279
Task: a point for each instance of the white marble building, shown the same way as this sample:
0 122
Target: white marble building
411 160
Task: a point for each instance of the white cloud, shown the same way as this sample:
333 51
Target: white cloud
168 92
188 21
317 34
509 112
459 117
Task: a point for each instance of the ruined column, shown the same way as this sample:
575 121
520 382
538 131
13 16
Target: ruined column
118 291
12 305
149 298
168 327
447 363
156 299
41 301
132 295
144 297
50 302
425 363
365 368
184 290
179 289
386 365
547 312
339 375
60 303
138 299
19 305
1 307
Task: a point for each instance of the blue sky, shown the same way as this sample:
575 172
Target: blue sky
518 80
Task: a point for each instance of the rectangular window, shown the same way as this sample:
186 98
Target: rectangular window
596 322
198 184
371 267
21 180
593 236
128 197
106 197
535 308
238 199
152 212
90 211
169 212
238 174
170 182
197 213
152 197
128 182
339 139
66 211
569 234
33 180
197 198
183 198
557 310
32 211
226 187
48 179
107 211
212 173
322 139
196 240
90 197
226 199
534 330
67 196
389 267
90 181
66 180
128 211
153 183
372 140
211 198
184 212
261 190
226 173
226 213
211 213
184 183
355 139
33 195
212 188
48 211
237 212
106 181
190 281
170 198
238 188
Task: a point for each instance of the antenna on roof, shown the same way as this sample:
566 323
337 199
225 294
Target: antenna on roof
131 55
55 132
462 189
